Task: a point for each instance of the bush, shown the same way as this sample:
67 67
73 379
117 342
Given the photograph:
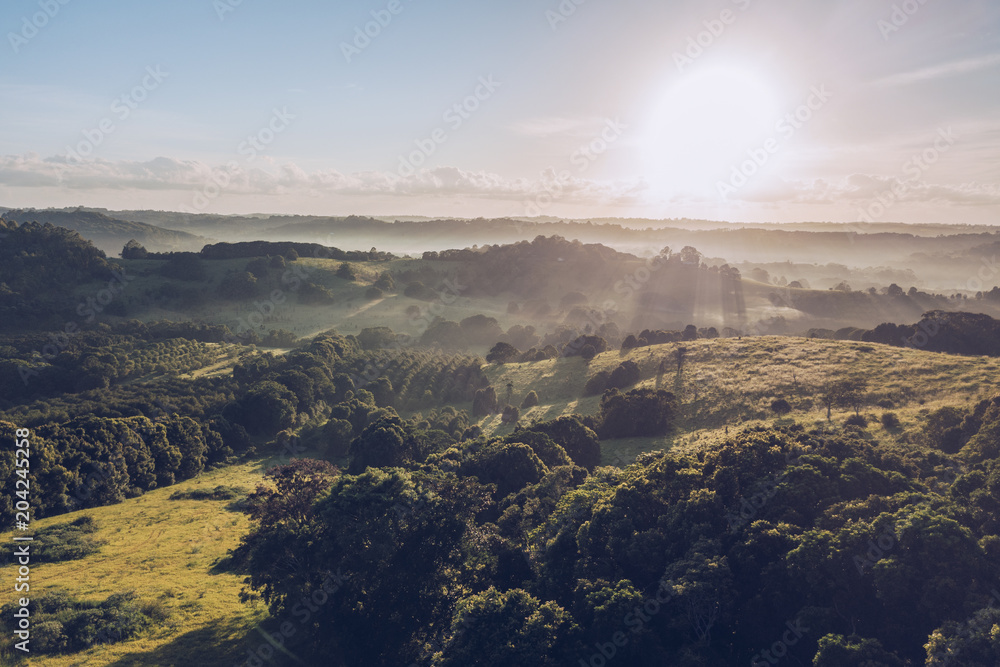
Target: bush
626 375
597 384
220 492
511 415
890 421
856 420
64 624
530 401
638 413
484 402
67 541
780 406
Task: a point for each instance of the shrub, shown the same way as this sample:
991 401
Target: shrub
220 492
857 420
626 375
597 384
640 412
64 624
780 406
890 421
511 415
530 401
67 541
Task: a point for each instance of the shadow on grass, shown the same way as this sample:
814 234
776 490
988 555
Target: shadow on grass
222 642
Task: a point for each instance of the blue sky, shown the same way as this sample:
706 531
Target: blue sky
777 110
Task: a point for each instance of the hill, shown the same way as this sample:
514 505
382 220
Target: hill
110 234
721 384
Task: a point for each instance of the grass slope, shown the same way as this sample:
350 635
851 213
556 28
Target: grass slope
726 382
164 550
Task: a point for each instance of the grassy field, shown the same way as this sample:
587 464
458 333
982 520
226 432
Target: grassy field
164 550
727 382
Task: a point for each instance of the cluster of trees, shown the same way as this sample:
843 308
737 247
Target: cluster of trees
289 250
824 548
93 461
474 331
522 268
659 337
94 360
37 263
625 375
937 331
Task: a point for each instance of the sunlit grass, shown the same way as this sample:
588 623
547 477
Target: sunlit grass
728 382
165 550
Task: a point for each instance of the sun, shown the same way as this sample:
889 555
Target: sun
704 124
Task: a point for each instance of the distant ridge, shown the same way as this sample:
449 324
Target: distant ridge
107 233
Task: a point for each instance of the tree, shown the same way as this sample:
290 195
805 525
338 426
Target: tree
511 415
626 375
267 408
381 444
385 282
338 434
484 402
853 393
379 558
690 255
511 466
579 441
241 285
637 413
501 353
530 401
780 406
376 338
346 272
134 250
498 629
838 651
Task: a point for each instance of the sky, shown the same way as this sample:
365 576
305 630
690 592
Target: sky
855 111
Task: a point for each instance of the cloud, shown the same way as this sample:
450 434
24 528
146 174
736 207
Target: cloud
939 71
270 178
549 126
863 189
